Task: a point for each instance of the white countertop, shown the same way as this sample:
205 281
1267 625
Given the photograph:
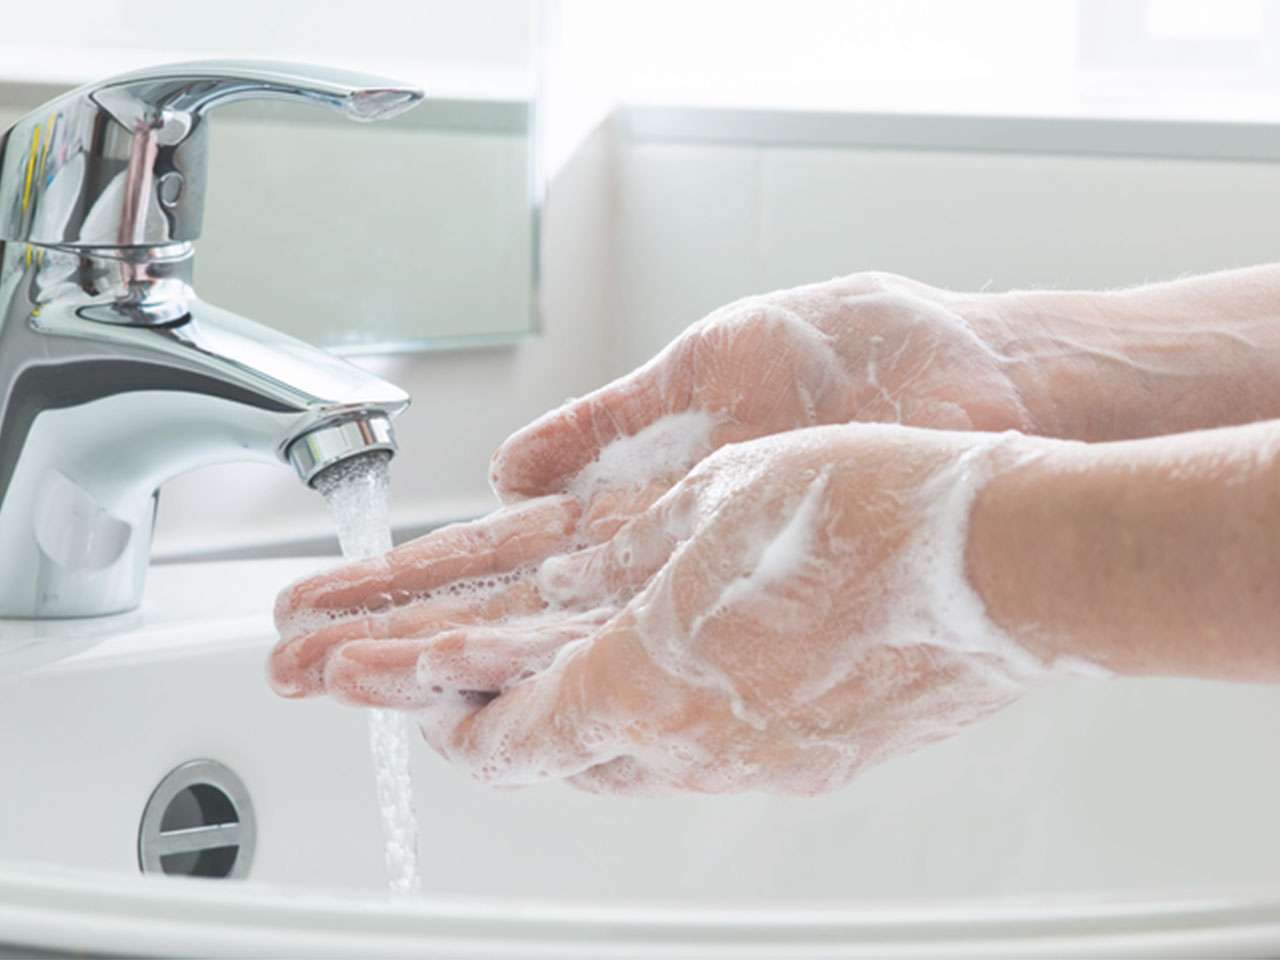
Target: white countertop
185 605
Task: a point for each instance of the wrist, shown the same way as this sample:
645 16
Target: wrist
1116 365
1051 347
1152 557
1017 550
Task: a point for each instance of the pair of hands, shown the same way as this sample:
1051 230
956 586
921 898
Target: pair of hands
708 575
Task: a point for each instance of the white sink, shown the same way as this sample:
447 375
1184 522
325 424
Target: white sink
1093 817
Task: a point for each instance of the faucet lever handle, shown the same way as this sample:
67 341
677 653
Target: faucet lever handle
192 88
122 162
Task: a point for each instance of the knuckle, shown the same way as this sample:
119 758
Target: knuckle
872 281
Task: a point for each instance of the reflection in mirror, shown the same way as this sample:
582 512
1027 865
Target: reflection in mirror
420 231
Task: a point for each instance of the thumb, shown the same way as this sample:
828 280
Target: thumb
547 727
616 569
546 455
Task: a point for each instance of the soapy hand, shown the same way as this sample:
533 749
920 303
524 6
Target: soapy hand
868 347
473 610
790 612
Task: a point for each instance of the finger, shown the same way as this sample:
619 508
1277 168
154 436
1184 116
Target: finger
769 368
621 777
543 457
610 509
991 409
443 715
296 666
495 658
548 727
409 674
379 673
494 546
614 571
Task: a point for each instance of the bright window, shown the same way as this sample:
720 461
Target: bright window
472 49
1003 56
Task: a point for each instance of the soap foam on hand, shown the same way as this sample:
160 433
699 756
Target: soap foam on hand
669 447
869 347
487 570
803 595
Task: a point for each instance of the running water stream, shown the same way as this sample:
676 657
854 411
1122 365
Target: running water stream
358 493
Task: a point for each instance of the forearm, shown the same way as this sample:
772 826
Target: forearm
1149 557
1165 358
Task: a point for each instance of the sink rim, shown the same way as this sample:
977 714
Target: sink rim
97 910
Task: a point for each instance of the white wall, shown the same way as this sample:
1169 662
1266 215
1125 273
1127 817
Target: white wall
702 224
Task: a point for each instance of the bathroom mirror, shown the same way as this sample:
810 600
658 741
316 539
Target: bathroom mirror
416 232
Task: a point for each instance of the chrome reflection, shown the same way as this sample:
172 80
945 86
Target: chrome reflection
114 375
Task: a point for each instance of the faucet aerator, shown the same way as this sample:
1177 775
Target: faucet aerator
332 443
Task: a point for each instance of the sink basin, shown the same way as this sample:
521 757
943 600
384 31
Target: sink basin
1091 818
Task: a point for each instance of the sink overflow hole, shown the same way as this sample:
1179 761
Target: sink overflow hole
198 823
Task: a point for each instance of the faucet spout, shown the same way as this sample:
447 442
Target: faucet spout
115 377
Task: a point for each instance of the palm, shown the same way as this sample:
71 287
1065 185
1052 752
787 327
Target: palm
862 348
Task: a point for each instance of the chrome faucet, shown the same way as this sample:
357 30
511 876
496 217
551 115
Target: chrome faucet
114 375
